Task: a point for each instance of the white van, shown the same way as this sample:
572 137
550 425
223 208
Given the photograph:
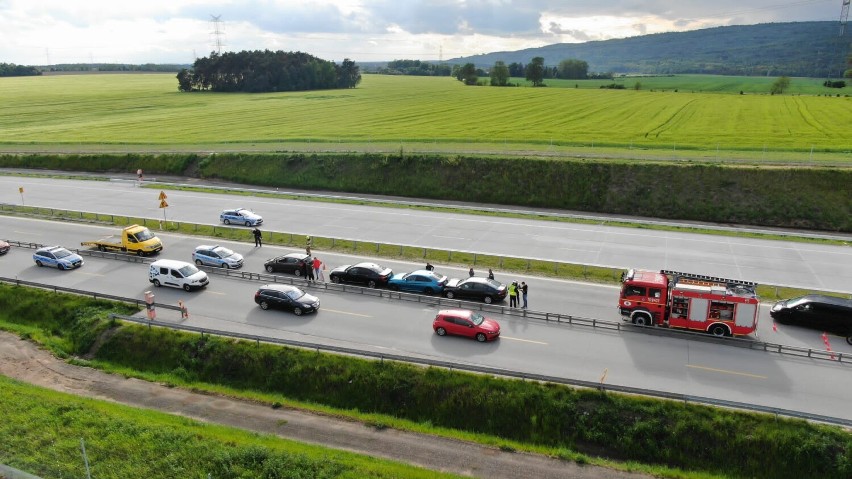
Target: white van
177 274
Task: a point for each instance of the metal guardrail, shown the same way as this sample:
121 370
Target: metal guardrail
138 302
439 301
494 371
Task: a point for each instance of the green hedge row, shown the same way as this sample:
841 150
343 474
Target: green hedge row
690 437
811 198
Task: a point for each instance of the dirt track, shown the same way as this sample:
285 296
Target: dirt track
24 361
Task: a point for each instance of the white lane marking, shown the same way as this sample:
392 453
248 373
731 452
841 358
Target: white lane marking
346 312
523 340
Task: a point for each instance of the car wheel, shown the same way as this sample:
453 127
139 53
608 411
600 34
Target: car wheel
718 330
849 339
297 311
487 299
481 337
38 263
61 267
371 284
225 265
248 223
139 252
269 268
429 291
335 279
298 272
186 287
393 287
450 295
157 283
101 248
441 332
227 222
642 320
198 262
264 305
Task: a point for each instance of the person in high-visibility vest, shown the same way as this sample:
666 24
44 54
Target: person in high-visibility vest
308 242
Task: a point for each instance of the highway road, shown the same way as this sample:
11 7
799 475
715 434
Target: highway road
805 265
700 368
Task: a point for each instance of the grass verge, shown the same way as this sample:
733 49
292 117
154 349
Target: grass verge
671 439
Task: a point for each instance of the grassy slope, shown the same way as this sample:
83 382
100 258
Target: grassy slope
41 432
148 109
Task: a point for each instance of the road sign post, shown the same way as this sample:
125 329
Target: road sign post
163 205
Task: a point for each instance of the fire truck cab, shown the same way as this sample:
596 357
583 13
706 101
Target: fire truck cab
719 306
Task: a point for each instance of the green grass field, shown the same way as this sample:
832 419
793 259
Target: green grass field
148 110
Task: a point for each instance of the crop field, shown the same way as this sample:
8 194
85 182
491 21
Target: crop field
147 109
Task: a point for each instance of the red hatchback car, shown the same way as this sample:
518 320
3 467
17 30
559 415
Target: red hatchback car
463 322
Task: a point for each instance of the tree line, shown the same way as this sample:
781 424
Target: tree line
266 71
535 72
12 70
416 68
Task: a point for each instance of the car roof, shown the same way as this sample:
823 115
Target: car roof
821 298
206 246
463 313
170 263
368 264
294 255
285 288
49 248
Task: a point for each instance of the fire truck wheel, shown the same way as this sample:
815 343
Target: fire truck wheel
718 330
642 320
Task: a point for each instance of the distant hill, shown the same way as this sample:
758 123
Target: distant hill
805 49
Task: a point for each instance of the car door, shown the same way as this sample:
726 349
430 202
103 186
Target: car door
173 278
411 283
48 259
454 325
468 290
354 275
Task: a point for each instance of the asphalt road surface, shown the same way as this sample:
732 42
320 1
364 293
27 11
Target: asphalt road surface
790 263
699 368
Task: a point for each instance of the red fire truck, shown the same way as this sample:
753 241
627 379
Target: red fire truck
719 306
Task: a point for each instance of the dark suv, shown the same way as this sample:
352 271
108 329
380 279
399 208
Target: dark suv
816 311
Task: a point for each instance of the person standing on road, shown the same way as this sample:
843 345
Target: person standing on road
310 271
317 264
258 237
308 243
429 266
524 289
471 272
513 294
490 274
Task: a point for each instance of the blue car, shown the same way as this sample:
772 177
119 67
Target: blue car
241 216
420 281
217 256
57 257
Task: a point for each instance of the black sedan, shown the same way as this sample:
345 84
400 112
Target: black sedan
369 274
481 289
289 263
284 296
816 311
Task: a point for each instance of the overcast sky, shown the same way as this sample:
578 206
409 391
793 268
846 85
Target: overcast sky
39 32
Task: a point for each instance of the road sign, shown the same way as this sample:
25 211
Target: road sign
163 204
162 197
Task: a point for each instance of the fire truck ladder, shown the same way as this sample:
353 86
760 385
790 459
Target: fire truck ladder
731 284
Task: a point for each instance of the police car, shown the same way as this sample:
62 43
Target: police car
241 216
218 256
57 257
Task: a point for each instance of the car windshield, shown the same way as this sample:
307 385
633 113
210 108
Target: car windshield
144 235
223 252
61 253
477 318
295 294
792 303
188 270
